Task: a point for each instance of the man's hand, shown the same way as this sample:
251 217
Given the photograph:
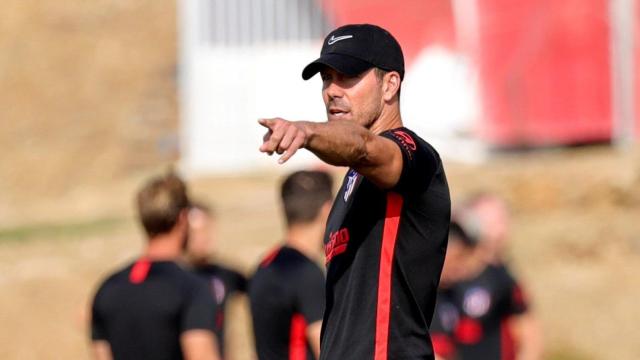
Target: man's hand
283 137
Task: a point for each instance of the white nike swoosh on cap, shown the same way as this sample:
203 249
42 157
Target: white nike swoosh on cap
334 40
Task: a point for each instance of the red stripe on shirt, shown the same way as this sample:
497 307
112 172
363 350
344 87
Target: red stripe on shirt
298 338
507 345
139 271
269 258
389 236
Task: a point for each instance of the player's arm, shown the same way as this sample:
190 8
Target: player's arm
313 337
522 322
309 297
199 344
101 350
340 143
100 347
197 326
527 334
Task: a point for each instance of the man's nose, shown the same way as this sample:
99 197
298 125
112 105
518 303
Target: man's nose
334 90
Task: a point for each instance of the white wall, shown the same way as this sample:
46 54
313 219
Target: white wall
229 90
439 101
224 90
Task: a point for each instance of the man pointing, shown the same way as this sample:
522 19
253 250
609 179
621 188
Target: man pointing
386 235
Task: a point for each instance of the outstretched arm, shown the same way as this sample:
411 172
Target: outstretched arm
313 337
340 143
528 336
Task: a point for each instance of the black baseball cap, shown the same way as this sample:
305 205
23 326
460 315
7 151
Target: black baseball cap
353 49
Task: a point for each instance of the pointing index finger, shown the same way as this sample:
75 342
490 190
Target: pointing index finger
268 123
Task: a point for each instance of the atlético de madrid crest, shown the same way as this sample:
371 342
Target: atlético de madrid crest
477 301
352 178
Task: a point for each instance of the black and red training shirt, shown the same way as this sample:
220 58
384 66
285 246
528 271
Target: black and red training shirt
384 251
223 283
286 294
142 310
472 317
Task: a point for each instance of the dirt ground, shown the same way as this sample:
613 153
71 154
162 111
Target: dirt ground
575 243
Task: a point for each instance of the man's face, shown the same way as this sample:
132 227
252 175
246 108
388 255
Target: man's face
495 225
200 235
354 98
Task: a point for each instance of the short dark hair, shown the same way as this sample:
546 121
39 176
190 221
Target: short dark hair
160 202
458 233
303 194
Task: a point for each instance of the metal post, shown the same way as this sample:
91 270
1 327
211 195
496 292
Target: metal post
621 20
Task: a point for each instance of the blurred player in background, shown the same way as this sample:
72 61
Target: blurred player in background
223 282
460 264
481 311
486 217
386 236
287 291
154 308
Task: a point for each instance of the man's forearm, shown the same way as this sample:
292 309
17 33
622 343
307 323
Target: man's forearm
341 143
338 143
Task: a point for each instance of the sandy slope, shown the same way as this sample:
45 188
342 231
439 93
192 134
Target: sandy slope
575 242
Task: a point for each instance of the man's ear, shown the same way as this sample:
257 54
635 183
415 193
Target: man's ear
391 85
324 212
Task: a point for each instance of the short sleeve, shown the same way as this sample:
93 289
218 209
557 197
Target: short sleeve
199 308
419 160
310 294
98 328
239 282
515 302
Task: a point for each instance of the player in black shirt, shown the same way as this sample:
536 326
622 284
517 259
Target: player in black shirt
487 304
446 317
287 290
223 281
473 318
486 217
478 306
386 235
153 308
